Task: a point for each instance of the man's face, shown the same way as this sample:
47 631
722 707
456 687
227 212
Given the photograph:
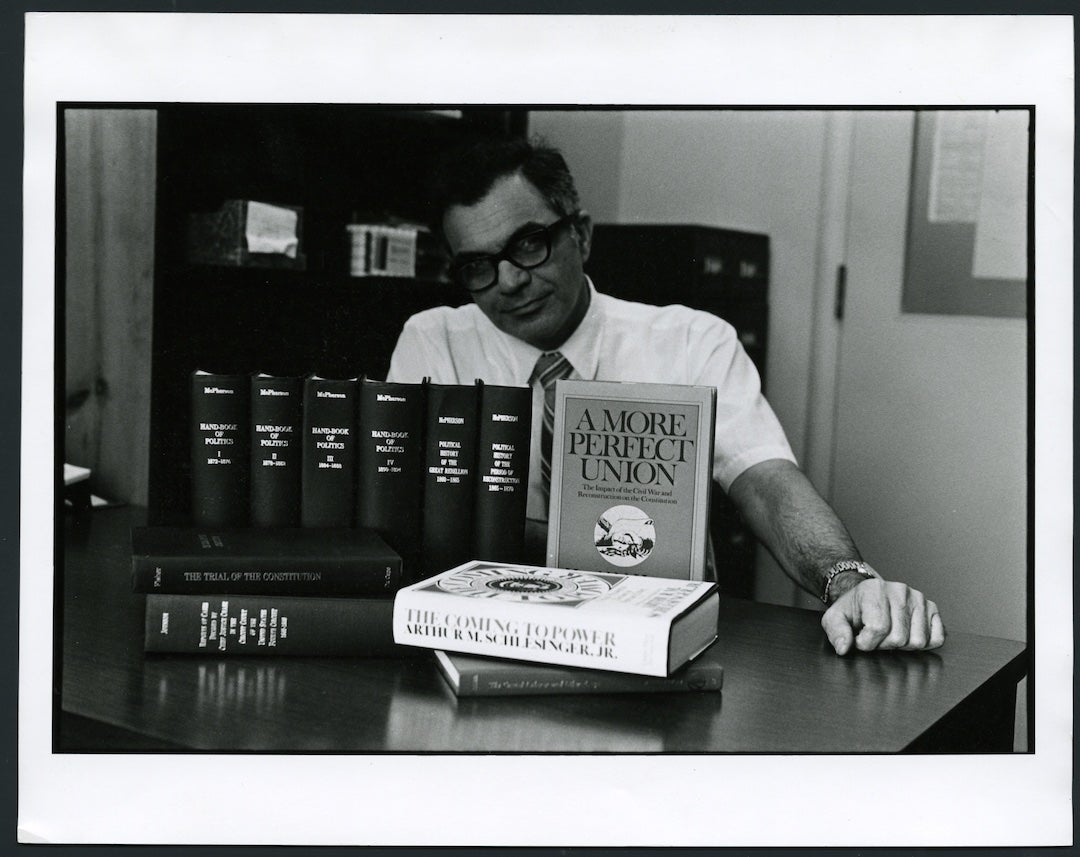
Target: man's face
543 305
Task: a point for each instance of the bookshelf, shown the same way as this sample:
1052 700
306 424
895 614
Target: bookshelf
339 163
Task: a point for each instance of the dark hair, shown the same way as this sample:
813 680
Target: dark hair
464 175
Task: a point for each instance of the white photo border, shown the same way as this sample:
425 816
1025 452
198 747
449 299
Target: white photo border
557 60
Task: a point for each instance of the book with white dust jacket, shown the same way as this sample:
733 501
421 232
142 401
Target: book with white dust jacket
608 621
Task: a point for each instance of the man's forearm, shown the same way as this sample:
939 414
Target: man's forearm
799 528
807 539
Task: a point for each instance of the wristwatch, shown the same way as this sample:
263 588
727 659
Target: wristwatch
847 565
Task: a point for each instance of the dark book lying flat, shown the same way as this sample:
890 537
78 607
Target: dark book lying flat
223 625
278 561
473 675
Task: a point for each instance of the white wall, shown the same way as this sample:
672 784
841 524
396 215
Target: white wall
931 471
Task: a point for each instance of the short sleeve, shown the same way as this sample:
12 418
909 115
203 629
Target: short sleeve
747 429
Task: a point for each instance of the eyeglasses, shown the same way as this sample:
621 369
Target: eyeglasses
527 251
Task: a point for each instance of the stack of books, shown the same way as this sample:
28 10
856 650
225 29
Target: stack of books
395 249
220 591
500 629
314 500
381 250
622 606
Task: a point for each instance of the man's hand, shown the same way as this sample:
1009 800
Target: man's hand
800 529
879 614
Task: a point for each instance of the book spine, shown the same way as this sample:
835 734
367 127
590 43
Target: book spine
219 449
328 453
276 406
312 576
449 476
505 425
536 632
254 625
590 681
390 462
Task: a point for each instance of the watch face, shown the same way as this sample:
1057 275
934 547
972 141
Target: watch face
557 586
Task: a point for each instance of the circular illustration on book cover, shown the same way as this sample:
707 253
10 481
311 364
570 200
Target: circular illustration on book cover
555 585
624 536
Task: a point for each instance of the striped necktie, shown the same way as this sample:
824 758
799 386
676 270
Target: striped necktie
549 369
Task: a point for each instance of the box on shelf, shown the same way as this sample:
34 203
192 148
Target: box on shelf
395 250
247 233
380 250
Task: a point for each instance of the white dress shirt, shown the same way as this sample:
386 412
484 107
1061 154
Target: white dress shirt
616 341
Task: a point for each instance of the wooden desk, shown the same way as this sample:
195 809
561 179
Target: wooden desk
784 689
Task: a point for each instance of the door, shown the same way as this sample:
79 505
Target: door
929 437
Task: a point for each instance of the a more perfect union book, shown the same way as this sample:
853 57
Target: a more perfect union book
473 675
631 476
275 561
615 622
261 625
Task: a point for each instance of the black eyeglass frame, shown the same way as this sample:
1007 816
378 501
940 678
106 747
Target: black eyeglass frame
549 232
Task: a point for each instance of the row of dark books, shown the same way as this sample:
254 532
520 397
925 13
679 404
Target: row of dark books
635 500
440 471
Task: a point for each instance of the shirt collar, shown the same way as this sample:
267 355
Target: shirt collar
582 348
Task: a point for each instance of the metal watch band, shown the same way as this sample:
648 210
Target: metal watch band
846 565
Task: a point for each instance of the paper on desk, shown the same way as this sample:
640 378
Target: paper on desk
271 229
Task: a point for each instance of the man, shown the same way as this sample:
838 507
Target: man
510 217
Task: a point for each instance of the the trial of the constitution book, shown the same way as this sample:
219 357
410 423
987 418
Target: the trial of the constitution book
316 501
